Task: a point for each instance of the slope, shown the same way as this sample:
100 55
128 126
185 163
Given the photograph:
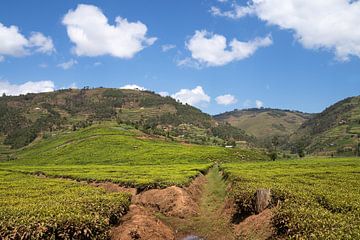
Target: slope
265 123
336 130
27 117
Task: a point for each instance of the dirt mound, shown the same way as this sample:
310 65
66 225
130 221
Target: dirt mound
171 201
196 187
138 223
256 226
112 187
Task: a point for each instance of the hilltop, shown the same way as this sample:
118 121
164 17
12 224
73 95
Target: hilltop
265 123
27 117
336 130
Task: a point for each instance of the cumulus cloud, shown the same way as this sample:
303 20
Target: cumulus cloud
210 49
195 96
164 94
133 87
226 99
28 87
13 43
167 47
41 43
236 13
88 28
259 104
67 65
320 24
73 86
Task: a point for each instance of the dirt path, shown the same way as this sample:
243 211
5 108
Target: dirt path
212 222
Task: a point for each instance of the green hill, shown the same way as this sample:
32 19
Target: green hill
265 123
336 130
28 117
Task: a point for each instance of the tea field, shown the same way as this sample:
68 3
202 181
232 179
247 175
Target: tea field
120 154
42 208
316 198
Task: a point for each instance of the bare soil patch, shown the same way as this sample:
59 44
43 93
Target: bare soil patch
256 226
139 223
173 201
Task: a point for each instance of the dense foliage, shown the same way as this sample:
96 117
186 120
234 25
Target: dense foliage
315 198
39 208
334 131
121 154
26 117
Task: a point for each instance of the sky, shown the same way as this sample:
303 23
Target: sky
217 55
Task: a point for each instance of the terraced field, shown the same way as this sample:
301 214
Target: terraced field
40 200
120 154
40 208
318 198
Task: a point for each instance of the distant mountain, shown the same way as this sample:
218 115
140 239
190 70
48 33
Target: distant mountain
27 117
336 130
265 123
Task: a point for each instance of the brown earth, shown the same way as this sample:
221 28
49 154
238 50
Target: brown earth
112 187
256 226
139 223
200 209
173 201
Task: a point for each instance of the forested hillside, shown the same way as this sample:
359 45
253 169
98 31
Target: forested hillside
27 117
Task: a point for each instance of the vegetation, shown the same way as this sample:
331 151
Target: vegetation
26 117
265 123
33 206
316 198
121 154
39 208
335 131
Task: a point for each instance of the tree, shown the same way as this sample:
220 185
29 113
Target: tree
275 142
301 152
273 155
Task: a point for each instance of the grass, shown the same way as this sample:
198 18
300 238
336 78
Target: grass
265 124
210 223
34 207
120 154
320 197
40 208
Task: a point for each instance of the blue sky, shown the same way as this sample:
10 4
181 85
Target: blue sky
274 61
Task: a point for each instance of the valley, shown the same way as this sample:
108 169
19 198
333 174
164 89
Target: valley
118 177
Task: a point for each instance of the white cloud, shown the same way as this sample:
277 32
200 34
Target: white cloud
28 87
189 62
320 24
259 104
73 86
164 94
226 99
41 43
236 13
133 87
89 30
213 50
13 43
167 47
67 65
195 96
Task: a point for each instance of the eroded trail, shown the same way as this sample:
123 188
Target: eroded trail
212 222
